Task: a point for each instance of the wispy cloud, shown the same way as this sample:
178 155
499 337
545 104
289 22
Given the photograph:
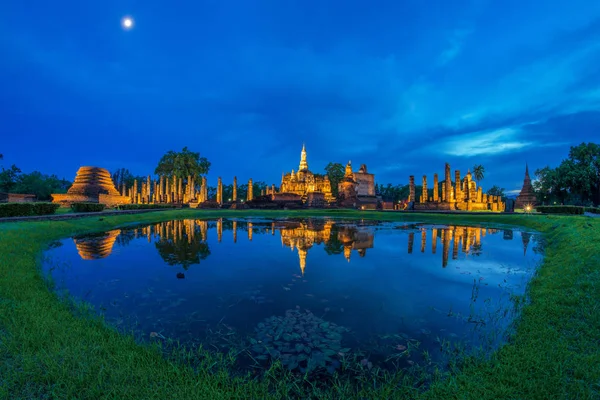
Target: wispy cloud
485 143
456 40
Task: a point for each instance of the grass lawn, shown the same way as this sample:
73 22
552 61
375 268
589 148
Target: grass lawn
46 351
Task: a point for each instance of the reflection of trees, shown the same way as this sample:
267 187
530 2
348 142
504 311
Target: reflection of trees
334 245
125 237
182 252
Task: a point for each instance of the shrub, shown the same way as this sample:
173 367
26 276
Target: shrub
27 209
45 208
143 206
560 209
594 210
87 207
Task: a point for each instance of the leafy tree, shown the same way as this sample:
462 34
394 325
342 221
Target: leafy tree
122 176
41 185
575 180
395 193
478 172
183 164
8 178
496 191
335 172
582 170
258 187
550 185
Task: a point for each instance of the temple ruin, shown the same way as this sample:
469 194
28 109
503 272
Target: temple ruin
357 189
462 194
527 195
311 189
91 185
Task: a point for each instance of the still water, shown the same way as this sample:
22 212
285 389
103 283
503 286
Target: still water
308 291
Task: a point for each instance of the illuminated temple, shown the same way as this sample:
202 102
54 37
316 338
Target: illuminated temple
305 185
462 194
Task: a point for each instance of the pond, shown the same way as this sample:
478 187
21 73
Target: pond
310 292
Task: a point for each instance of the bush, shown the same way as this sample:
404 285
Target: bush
87 207
560 209
45 208
594 210
143 206
27 209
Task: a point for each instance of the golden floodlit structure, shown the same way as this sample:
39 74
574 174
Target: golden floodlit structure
462 195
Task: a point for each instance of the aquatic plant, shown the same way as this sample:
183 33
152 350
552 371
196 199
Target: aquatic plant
300 340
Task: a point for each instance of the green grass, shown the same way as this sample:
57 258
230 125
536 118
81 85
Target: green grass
46 351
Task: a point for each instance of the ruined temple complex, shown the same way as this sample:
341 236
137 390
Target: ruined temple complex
462 195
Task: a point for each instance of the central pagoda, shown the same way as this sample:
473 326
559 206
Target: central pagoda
304 183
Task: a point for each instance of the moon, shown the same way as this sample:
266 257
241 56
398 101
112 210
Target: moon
127 23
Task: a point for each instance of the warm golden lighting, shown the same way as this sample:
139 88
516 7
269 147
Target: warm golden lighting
127 23
528 208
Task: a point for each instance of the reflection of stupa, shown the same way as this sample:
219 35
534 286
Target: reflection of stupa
303 236
97 246
465 238
337 239
525 238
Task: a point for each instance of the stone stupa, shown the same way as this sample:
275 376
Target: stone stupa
527 194
92 185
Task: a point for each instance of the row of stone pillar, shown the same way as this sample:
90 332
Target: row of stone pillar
464 190
173 190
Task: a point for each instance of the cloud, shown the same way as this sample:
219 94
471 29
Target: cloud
485 143
456 41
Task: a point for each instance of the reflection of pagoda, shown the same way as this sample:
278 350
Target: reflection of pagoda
465 238
525 238
337 239
96 246
303 236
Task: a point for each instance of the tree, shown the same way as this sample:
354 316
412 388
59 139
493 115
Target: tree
8 178
183 164
496 191
41 185
478 172
122 176
395 193
575 180
335 172
550 185
582 170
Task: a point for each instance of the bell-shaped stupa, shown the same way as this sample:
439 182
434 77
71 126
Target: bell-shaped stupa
92 184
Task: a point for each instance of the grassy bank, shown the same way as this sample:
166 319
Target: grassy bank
47 352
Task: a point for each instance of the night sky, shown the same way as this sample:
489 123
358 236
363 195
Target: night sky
402 86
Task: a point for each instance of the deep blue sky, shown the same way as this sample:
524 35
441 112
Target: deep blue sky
402 86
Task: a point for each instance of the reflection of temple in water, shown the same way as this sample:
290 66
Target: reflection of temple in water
337 238
304 235
94 247
465 238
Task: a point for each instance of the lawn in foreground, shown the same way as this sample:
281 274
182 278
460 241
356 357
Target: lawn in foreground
49 352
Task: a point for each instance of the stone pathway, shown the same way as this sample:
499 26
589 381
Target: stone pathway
59 217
